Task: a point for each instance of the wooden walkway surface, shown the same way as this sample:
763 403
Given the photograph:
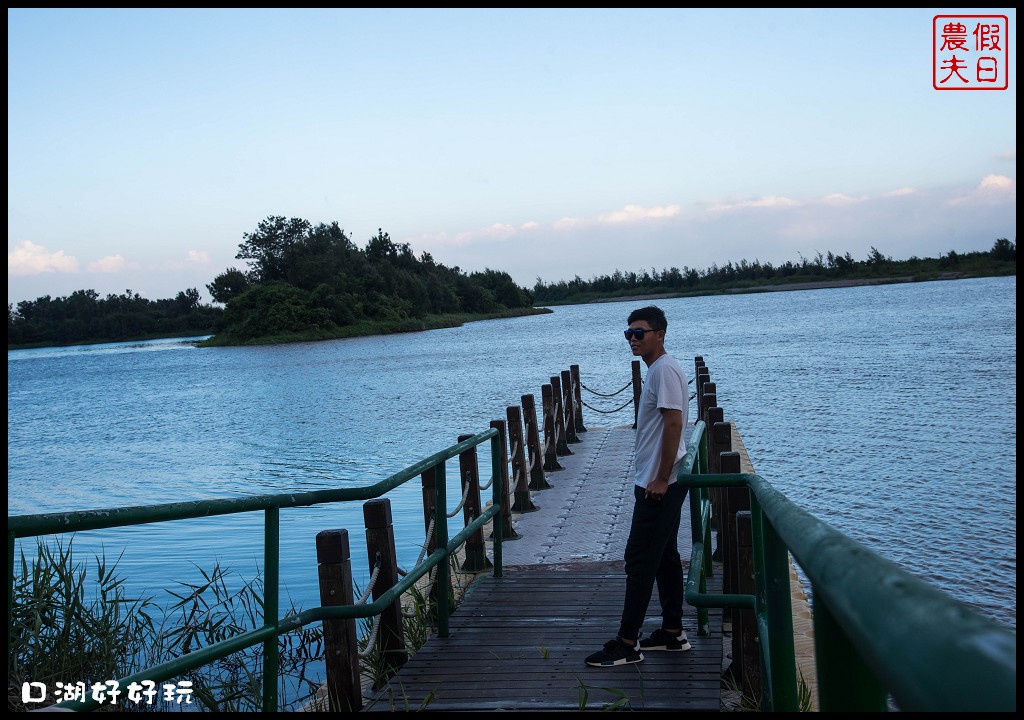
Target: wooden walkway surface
518 642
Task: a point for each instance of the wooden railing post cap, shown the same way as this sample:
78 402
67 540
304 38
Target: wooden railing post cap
730 462
332 547
377 513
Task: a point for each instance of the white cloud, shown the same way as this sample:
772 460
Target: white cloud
31 259
901 223
770 201
996 182
200 257
632 213
568 223
992 190
841 199
499 230
109 264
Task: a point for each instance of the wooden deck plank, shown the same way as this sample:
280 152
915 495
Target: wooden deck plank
518 642
515 643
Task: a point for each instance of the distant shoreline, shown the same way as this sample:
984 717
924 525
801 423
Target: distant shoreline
815 285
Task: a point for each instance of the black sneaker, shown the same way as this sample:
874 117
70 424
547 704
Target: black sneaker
661 640
615 652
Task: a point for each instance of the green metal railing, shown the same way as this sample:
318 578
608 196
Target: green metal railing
54 523
879 630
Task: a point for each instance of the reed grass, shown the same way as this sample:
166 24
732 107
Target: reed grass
74 621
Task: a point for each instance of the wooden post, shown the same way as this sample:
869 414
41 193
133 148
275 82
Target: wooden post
709 392
550 432
574 373
567 407
561 444
538 454
520 470
341 654
475 549
507 531
380 546
638 385
703 376
710 400
744 630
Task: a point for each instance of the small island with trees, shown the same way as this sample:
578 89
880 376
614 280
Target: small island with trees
312 282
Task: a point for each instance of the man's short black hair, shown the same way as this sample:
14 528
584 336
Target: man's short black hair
653 315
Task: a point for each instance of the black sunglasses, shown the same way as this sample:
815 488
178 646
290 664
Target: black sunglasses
638 333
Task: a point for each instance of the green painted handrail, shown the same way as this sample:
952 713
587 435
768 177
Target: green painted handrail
879 630
53 523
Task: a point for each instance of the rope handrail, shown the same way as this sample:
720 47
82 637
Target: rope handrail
423 548
372 640
549 445
369 586
595 392
620 407
465 496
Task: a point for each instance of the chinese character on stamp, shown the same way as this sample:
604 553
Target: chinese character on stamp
970 52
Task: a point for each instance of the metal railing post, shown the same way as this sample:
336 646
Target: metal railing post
271 603
499 463
499 494
442 583
469 472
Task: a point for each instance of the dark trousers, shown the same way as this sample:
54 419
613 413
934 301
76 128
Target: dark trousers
652 556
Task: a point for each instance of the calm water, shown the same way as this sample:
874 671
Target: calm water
888 412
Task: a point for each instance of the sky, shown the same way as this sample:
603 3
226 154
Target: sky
143 144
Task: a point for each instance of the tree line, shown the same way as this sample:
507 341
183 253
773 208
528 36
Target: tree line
302 282
306 282
84 317
1001 259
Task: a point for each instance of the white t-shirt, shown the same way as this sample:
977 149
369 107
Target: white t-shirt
665 387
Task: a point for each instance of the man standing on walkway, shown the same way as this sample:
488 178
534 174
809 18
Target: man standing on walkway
652 555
